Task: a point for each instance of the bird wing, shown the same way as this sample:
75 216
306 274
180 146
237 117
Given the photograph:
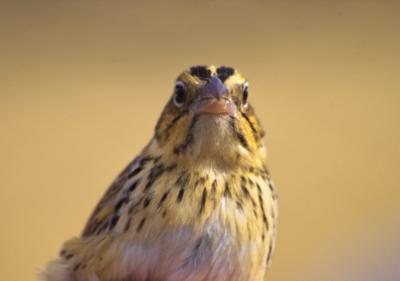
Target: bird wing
102 216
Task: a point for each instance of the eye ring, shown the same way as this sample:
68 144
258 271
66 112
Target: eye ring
245 91
179 97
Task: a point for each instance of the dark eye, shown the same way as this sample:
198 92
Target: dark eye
180 94
245 93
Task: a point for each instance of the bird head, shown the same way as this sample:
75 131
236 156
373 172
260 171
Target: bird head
209 118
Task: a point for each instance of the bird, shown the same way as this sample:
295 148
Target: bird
197 204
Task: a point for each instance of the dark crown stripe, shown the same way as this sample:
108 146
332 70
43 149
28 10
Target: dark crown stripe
224 72
200 71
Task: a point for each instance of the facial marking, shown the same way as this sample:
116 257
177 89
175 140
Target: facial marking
188 130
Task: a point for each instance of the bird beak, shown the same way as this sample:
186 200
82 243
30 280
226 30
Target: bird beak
214 98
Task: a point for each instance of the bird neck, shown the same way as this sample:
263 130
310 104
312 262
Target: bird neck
208 155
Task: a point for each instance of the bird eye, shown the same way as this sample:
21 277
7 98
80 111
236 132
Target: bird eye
180 94
245 93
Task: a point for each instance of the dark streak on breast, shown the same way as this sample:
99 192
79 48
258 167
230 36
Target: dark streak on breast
199 181
251 182
133 207
120 203
140 225
260 200
133 185
214 187
113 222
100 228
76 267
135 171
248 195
69 256
155 172
163 198
141 164
128 225
203 200
239 205
182 182
196 247
227 191
271 187
147 200
269 252
182 179
245 191
255 213
180 195
265 220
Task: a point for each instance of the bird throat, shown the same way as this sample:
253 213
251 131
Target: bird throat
213 140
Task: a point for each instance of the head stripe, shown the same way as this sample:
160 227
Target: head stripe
224 72
201 72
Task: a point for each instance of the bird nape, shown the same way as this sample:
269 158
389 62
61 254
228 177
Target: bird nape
198 202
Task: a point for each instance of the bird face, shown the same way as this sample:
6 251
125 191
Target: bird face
208 94
209 116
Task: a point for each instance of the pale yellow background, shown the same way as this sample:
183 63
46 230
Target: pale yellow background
83 82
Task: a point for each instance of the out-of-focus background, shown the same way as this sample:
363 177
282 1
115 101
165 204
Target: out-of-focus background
83 82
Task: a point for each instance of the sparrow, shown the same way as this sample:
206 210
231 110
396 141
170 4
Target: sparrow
197 204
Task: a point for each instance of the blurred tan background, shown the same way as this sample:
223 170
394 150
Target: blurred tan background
83 82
